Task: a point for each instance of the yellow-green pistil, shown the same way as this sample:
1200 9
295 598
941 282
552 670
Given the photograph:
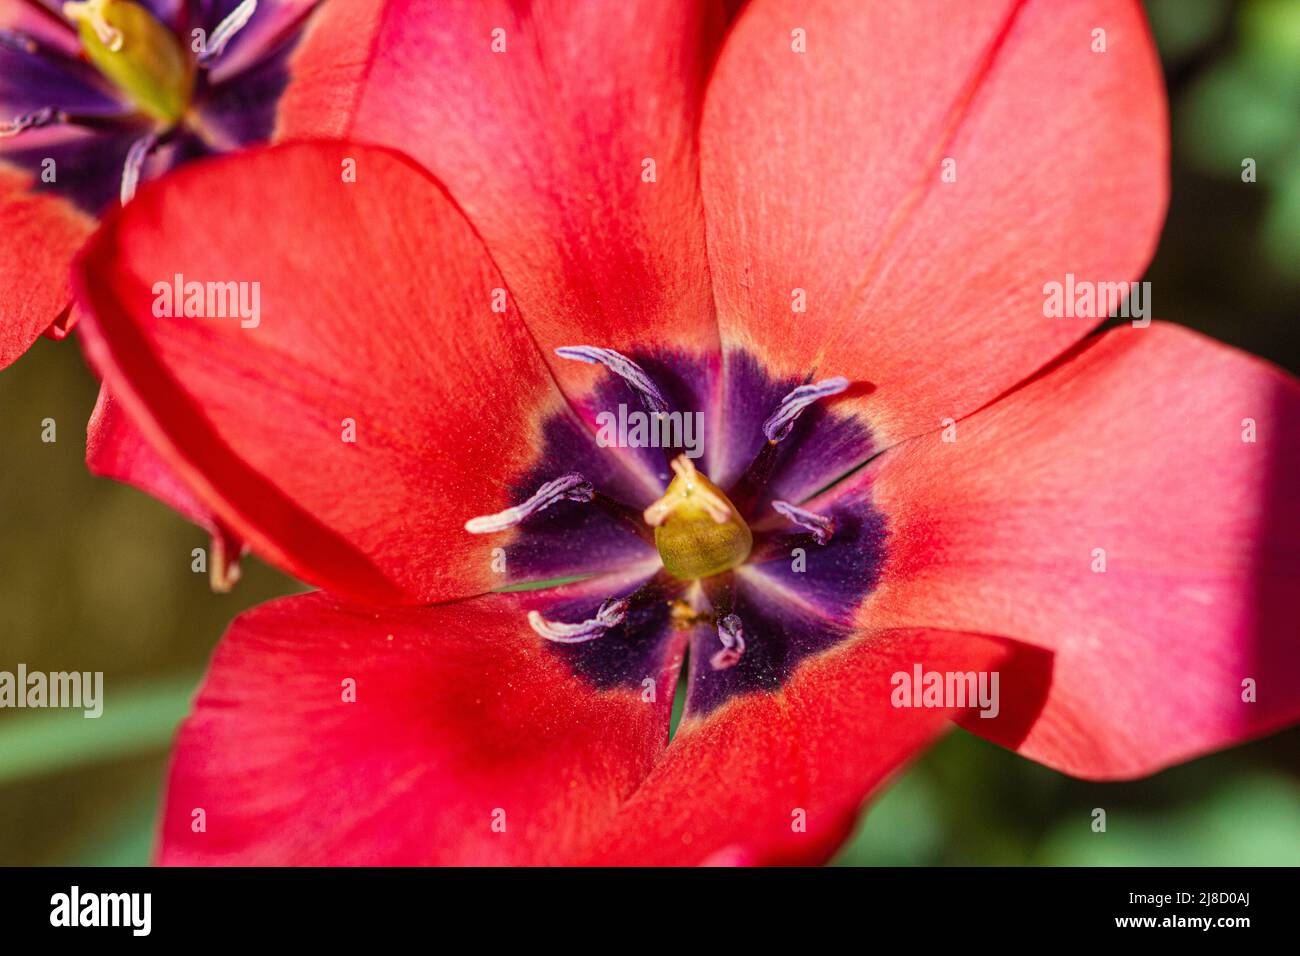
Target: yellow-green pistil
140 56
698 531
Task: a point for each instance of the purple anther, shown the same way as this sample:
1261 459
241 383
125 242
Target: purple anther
571 487
611 614
33 120
792 406
624 368
732 635
235 21
135 158
821 527
20 42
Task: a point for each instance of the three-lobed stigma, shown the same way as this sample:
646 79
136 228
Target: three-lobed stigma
698 531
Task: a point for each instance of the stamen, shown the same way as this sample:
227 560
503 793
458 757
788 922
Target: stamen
821 527
223 571
570 487
20 42
34 120
732 635
135 158
91 12
235 21
684 617
747 490
624 368
691 487
792 406
611 614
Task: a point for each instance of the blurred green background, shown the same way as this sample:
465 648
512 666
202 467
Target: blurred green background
95 576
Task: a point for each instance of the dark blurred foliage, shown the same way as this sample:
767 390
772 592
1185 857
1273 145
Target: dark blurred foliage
95 576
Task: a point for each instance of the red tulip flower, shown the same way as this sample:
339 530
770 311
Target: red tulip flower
825 238
96 95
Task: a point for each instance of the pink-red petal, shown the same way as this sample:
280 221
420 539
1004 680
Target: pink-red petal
915 177
540 118
1129 512
335 734
40 235
779 778
377 404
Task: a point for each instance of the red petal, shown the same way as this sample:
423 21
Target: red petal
542 145
1133 445
461 718
780 778
40 234
116 449
823 172
377 311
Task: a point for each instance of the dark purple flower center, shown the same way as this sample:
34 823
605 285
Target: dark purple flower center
97 96
771 446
